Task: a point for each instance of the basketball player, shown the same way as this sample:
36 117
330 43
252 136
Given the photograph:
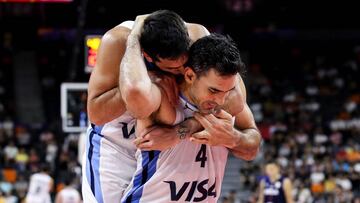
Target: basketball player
109 160
68 194
189 171
40 187
275 188
141 95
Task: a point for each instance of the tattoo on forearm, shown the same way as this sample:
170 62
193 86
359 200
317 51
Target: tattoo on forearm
182 130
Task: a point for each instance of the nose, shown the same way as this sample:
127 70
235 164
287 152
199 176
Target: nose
221 98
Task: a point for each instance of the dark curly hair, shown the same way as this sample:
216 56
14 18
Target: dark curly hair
164 35
217 52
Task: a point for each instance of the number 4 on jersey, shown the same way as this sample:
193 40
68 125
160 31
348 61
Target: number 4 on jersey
201 156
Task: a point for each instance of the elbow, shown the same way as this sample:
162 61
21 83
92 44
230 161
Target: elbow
132 94
93 117
137 104
249 151
138 112
96 121
95 113
253 149
251 156
247 156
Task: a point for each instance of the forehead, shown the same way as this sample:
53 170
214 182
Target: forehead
271 167
213 79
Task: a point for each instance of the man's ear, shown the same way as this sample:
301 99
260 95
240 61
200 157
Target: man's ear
189 75
147 57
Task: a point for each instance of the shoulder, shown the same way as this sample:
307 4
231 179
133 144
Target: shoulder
117 34
196 31
128 24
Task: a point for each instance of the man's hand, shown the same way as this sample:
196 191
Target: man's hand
157 138
165 137
168 84
218 129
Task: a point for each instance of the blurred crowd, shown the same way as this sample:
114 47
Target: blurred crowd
307 108
305 102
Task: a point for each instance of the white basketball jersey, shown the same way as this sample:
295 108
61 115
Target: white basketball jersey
69 195
39 189
188 172
109 162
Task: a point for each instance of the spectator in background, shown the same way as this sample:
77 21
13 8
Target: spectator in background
41 184
68 194
304 194
275 188
10 151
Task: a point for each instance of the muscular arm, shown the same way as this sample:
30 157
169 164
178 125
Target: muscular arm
104 98
139 94
246 137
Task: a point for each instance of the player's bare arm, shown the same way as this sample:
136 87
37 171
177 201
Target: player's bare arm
164 115
140 95
104 97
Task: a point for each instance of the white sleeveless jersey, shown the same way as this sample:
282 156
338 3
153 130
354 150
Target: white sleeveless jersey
39 189
109 162
69 195
188 172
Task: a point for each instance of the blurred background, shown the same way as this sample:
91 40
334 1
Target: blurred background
302 84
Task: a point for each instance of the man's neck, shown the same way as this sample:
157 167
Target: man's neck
184 90
275 177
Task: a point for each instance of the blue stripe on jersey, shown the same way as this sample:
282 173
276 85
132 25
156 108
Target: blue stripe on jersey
93 174
188 104
149 160
97 128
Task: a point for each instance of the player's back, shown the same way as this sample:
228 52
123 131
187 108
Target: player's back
69 195
39 189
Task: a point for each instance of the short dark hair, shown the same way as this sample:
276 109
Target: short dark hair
215 51
164 34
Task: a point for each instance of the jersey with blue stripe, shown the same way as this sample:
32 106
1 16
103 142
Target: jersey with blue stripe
109 162
187 172
274 191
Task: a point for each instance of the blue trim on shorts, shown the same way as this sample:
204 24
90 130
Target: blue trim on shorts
93 164
149 161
